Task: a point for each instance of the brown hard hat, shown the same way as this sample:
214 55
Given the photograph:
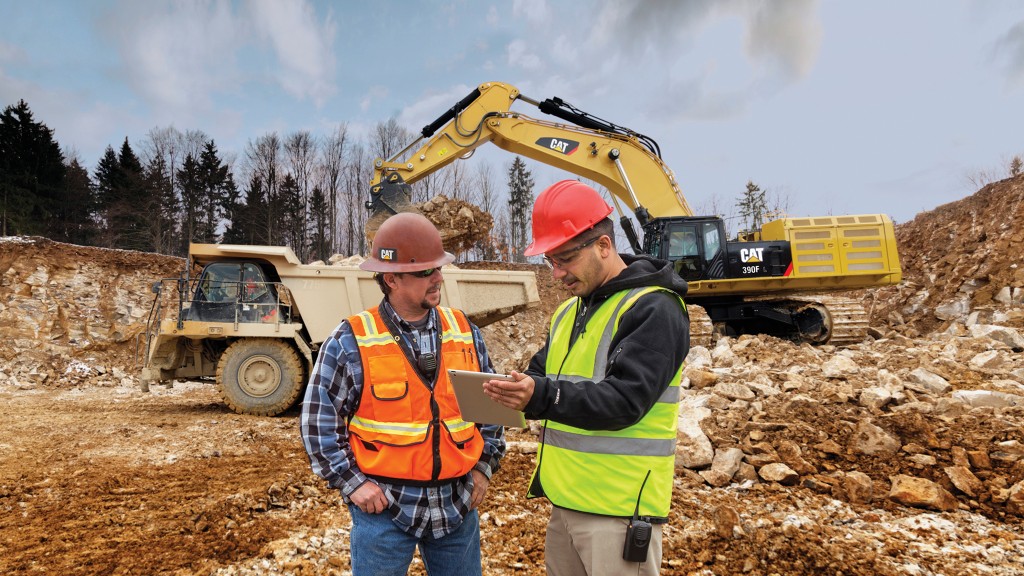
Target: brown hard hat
406 242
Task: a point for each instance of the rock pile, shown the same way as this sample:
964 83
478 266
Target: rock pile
931 423
462 225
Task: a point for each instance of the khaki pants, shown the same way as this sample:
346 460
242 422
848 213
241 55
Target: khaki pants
580 544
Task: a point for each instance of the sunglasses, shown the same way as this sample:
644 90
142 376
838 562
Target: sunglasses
424 273
565 258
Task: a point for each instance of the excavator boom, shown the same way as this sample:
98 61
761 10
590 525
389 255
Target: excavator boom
589 152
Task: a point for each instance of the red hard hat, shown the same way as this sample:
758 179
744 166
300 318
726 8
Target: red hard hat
406 242
562 212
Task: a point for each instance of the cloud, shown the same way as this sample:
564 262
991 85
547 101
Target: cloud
520 54
1010 47
303 42
535 11
684 59
181 55
11 53
86 128
374 94
427 108
175 54
787 35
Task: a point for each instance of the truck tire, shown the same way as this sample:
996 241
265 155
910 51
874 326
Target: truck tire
260 376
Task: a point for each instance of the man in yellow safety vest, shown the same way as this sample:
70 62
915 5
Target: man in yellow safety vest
606 385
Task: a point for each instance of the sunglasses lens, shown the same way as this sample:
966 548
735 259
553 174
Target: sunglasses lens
424 273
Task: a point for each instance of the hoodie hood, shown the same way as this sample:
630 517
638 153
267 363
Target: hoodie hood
642 271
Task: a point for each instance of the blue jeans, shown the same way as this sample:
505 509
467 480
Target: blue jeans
380 548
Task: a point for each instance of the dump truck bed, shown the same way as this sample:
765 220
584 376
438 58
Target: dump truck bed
324 294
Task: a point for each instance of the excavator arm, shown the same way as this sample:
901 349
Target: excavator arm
755 285
623 161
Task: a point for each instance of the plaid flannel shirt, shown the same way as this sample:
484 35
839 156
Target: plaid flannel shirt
333 394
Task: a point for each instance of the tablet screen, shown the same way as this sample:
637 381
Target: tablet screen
476 406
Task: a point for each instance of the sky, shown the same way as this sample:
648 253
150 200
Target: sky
832 107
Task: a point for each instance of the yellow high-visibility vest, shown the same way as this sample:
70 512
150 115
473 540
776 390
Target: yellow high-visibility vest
602 471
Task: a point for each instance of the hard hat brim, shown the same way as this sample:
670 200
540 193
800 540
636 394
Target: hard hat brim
378 266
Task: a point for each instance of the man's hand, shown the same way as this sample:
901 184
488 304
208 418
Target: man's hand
480 484
512 394
370 498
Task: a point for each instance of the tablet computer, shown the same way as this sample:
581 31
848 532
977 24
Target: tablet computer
476 406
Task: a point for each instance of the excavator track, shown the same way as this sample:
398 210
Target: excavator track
845 321
849 318
820 319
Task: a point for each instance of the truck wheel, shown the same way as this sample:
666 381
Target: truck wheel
260 376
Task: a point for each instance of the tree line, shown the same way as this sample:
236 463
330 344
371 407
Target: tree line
174 187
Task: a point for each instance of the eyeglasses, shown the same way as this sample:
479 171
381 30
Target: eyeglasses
424 273
565 258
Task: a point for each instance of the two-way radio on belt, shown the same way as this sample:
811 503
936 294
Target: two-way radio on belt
638 533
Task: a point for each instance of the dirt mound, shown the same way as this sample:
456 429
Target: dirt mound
60 303
961 262
462 225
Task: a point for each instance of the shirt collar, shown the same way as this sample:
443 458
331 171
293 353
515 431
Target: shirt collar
401 323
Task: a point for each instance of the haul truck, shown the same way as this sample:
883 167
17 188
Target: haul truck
761 284
254 318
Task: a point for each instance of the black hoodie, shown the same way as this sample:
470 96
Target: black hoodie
648 348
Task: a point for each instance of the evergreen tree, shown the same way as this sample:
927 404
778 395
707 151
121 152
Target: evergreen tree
163 206
320 241
190 189
217 184
288 210
236 228
75 216
753 206
520 202
108 180
32 174
136 202
123 200
254 214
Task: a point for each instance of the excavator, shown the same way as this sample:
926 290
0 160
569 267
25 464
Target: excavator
779 280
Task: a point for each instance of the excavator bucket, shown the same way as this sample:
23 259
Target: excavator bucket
390 196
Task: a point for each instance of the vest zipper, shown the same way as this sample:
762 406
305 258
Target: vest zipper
435 441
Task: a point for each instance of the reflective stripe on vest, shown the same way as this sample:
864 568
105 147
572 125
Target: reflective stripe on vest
601 471
398 411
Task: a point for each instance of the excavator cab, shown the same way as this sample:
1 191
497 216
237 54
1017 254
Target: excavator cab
694 245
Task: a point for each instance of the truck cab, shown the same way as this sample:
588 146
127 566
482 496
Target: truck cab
241 291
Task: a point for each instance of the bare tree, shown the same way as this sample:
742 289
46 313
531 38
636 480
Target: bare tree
161 154
389 138
486 197
779 203
300 152
332 163
263 163
355 193
193 143
978 179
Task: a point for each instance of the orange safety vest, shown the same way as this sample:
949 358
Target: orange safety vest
403 431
